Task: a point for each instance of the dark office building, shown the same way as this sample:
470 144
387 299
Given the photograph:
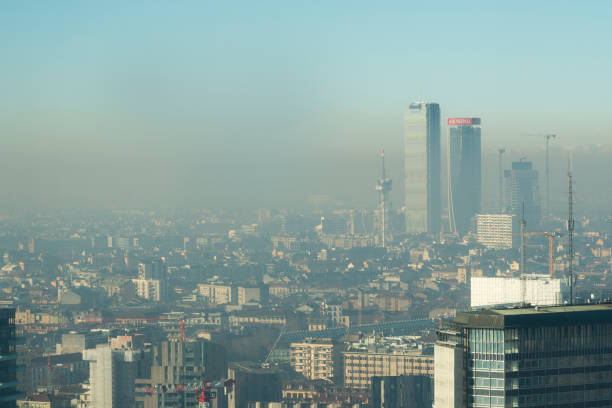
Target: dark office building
402 391
8 359
422 168
526 357
465 176
253 384
522 186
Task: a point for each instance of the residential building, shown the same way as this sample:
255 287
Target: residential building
387 356
313 358
422 168
112 374
526 357
216 294
493 230
464 172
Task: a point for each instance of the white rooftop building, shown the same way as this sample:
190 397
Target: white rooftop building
537 290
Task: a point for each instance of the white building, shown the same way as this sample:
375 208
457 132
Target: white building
112 374
151 289
448 375
493 230
537 290
313 358
216 294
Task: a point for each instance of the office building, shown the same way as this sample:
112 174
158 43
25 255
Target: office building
535 290
253 383
422 168
493 230
112 375
386 356
215 294
526 357
313 358
464 172
8 359
522 187
399 391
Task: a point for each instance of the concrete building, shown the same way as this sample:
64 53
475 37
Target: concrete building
387 356
253 383
493 230
243 295
8 359
535 290
313 358
422 168
401 391
216 294
112 374
464 173
178 371
150 289
526 357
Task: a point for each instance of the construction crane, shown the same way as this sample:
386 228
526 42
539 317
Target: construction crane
550 235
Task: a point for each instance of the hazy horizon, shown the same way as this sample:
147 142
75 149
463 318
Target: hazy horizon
115 105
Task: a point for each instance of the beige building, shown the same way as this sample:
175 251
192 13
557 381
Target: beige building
389 356
313 358
216 294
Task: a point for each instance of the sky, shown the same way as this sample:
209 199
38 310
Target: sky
262 104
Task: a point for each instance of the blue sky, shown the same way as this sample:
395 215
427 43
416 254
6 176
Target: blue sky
102 93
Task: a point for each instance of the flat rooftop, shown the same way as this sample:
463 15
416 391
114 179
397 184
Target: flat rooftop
536 316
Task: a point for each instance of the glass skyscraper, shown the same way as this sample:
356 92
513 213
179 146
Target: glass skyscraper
464 171
522 187
526 357
422 167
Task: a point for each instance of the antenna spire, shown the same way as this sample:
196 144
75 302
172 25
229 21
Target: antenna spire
570 232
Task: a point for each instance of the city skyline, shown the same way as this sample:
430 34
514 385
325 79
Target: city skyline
198 105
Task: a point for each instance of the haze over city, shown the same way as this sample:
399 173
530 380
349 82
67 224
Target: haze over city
242 104
305 204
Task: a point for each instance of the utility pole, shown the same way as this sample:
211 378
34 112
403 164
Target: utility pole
548 138
500 181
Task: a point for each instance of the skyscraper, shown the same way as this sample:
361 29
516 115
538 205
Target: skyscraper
522 186
422 167
526 357
464 171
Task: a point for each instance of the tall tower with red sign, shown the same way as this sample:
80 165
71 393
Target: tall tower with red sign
464 172
422 168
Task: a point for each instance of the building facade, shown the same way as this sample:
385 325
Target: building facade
112 375
523 188
422 168
535 290
390 356
313 358
526 357
8 359
464 173
493 230
401 391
